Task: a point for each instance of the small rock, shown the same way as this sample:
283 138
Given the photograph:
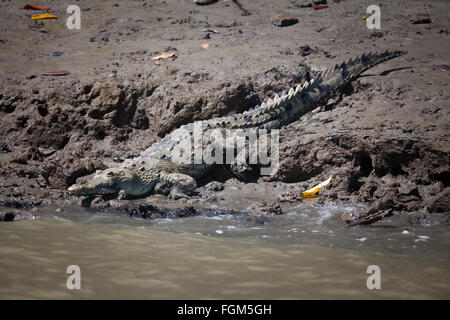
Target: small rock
304 50
408 189
285 20
377 34
422 18
204 2
214 186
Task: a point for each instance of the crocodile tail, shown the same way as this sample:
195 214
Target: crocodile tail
367 61
354 67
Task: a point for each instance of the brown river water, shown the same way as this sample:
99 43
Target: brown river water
306 253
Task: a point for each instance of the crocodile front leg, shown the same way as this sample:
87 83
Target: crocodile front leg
182 184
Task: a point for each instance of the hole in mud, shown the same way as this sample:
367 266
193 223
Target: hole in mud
397 170
444 177
100 134
87 89
353 183
22 121
364 162
43 111
348 89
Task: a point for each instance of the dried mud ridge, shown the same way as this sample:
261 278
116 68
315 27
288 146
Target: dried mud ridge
54 136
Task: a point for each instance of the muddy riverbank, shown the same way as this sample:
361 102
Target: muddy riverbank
385 139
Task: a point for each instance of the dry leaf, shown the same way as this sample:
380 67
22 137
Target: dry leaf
43 16
55 73
34 7
164 55
205 45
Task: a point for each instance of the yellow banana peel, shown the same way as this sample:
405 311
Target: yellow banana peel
43 16
311 192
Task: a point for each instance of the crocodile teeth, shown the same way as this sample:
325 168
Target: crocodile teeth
297 89
269 102
263 105
291 92
277 98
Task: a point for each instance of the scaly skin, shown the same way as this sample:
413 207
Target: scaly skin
160 167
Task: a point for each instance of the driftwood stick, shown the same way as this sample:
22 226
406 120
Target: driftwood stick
369 219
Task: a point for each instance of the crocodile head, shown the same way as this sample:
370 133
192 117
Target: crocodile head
108 181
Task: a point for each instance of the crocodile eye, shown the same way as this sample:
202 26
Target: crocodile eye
110 174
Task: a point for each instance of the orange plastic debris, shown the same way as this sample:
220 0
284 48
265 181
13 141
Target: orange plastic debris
139 59
164 55
43 16
205 45
318 7
35 7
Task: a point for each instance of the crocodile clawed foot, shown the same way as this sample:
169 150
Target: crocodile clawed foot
176 193
180 191
183 185
122 195
163 187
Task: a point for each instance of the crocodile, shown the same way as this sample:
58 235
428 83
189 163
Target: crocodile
167 166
